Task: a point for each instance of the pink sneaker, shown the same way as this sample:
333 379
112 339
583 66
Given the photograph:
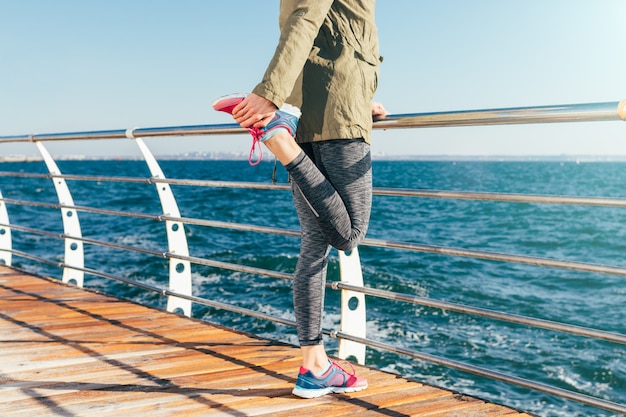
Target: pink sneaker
335 380
283 119
227 104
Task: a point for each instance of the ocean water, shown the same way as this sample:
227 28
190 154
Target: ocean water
574 233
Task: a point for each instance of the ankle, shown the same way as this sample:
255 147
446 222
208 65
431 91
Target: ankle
319 369
324 368
283 146
314 358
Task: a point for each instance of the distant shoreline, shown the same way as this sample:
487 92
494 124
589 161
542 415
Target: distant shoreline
379 157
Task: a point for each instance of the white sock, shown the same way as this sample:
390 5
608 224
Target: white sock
325 369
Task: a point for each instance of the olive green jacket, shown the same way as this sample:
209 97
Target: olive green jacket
326 61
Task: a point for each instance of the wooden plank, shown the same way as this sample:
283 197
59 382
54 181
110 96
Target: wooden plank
73 352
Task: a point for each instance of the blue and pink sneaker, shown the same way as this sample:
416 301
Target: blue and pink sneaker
335 380
286 118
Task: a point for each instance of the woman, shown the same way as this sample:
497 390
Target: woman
326 61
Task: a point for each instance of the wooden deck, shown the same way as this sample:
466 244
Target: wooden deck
65 351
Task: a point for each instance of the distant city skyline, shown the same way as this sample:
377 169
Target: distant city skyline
243 156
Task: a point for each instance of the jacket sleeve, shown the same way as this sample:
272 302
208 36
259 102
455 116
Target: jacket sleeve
300 22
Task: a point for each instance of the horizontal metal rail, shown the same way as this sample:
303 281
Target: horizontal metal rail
156 217
441 250
159 254
585 112
388 192
151 180
338 285
476 370
503 197
482 312
495 256
197 130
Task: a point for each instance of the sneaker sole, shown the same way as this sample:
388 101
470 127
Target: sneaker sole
314 393
226 103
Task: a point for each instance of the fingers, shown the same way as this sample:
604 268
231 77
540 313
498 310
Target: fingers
243 113
378 111
263 120
254 111
249 117
252 119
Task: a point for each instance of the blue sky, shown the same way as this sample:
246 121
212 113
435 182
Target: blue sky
76 65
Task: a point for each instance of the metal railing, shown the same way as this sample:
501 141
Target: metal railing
351 333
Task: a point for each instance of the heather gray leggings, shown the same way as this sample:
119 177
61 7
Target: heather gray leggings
332 192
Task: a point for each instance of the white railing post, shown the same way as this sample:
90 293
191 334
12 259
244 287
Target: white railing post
179 270
353 317
74 254
5 235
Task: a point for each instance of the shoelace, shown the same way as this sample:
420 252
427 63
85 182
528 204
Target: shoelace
353 371
256 135
226 105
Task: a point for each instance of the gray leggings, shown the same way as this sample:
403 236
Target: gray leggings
332 192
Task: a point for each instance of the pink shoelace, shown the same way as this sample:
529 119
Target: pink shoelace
256 135
352 371
226 104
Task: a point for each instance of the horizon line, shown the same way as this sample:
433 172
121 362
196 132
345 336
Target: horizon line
225 156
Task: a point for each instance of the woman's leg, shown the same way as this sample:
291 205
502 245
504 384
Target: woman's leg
345 166
309 286
338 189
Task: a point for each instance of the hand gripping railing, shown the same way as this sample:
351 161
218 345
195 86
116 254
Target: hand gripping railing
352 331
